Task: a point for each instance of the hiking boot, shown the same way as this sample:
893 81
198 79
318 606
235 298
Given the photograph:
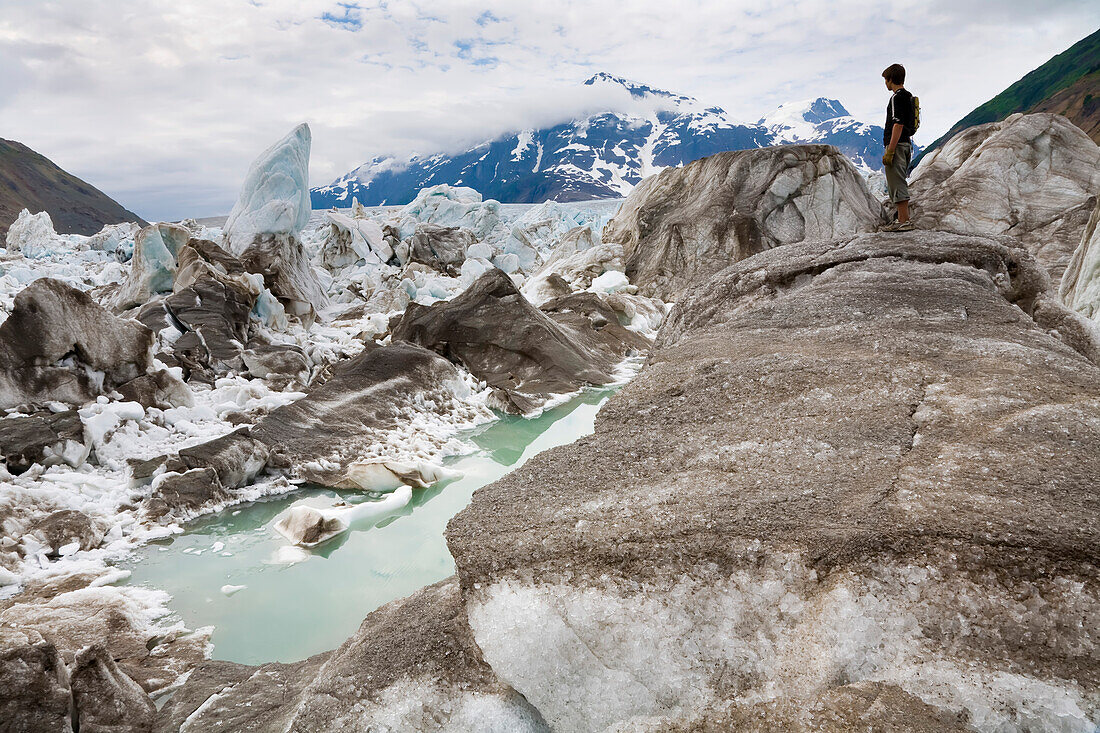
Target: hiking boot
897 226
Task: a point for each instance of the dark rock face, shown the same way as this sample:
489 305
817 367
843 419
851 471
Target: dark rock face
47 438
257 698
34 689
683 224
55 335
440 248
594 315
157 389
65 526
106 699
870 460
338 421
29 180
205 474
216 317
276 361
1035 177
525 354
412 666
64 611
283 262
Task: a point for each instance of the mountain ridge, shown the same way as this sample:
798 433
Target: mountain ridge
30 180
603 155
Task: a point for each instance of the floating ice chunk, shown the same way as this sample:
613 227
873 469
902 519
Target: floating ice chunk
309 526
384 475
69 549
217 546
289 555
229 590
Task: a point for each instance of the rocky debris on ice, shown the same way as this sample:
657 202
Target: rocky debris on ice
525 355
159 389
441 248
280 364
66 528
59 344
210 310
362 411
153 265
204 476
871 706
117 239
35 683
682 224
578 270
545 286
72 615
43 437
550 230
227 696
450 206
215 315
354 240
585 312
1035 177
1080 286
412 666
863 462
33 235
264 227
105 698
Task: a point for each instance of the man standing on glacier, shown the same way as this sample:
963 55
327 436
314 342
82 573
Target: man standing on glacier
899 128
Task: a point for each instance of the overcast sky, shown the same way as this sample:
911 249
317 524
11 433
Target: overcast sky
163 103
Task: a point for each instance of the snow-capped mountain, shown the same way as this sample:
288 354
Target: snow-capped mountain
825 121
603 155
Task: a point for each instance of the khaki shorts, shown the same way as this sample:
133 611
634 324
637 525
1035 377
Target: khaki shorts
895 173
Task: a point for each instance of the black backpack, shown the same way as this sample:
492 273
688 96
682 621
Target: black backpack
916 114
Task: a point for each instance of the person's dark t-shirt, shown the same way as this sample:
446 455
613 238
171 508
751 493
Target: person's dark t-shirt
900 109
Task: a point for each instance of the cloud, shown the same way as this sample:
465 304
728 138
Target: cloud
163 104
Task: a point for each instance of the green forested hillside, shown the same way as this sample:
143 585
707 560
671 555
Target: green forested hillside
1068 84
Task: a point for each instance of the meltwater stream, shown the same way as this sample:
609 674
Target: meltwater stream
289 612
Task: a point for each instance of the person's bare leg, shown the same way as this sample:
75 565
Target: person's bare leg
903 212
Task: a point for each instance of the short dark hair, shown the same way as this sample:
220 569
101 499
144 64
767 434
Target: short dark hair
895 73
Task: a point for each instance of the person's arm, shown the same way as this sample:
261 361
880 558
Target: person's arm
895 135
